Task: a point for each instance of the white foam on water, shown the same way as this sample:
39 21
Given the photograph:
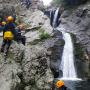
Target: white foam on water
71 79
67 63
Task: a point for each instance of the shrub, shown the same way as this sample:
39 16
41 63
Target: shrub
43 35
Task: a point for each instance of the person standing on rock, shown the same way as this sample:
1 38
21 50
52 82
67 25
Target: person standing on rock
18 35
8 34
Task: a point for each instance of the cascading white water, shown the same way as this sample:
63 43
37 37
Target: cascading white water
55 17
67 63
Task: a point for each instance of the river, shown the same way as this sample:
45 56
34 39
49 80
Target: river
78 85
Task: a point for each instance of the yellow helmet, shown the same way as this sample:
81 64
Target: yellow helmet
59 83
10 19
3 23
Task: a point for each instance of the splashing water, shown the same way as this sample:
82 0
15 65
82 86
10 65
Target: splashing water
67 64
67 58
55 18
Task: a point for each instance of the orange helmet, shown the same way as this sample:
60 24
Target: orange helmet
10 18
59 83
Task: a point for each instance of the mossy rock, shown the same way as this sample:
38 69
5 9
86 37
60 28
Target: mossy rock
78 48
36 41
79 51
73 36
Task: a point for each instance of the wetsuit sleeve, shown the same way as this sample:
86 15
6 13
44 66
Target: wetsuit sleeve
14 31
13 25
1 28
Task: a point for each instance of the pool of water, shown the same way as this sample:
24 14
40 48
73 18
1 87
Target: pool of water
77 85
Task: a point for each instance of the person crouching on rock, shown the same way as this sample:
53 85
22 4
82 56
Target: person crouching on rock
8 34
20 37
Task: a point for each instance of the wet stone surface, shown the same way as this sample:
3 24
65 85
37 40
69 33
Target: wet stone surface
78 85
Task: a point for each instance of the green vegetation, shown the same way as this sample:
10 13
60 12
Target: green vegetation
79 52
57 2
68 2
43 35
79 49
73 36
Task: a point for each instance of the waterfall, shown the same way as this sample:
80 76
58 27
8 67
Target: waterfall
55 21
67 64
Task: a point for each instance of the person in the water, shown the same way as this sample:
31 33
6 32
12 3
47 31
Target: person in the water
60 85
57 85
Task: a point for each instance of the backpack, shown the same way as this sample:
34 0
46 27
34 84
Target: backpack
8 35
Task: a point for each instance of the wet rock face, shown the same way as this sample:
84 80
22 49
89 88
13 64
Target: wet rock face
78 24
56 56
76 2
81 61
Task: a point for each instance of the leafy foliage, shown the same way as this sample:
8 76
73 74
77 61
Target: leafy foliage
79 52
43 35
57 2
68 2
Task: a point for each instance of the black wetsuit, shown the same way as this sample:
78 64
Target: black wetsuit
19 37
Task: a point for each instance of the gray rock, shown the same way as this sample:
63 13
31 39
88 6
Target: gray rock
27 68
65 14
